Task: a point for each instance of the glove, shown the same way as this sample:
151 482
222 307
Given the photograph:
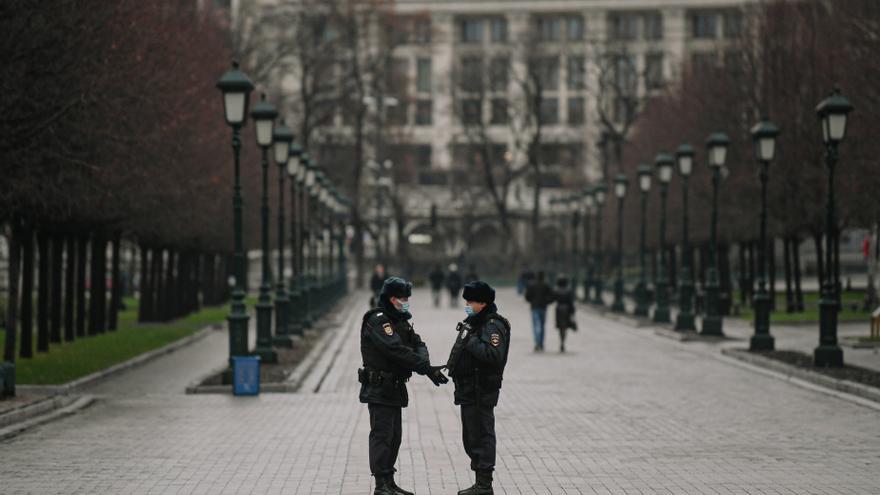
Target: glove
436 375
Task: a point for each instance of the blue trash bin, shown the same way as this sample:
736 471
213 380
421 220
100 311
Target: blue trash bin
245 375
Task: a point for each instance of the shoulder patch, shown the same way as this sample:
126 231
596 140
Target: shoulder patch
388 330
495 340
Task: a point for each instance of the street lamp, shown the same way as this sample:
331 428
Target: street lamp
620 185
764 134
684 321
264 114
833 113
236 89
282 138
644 173
589 211
716 145
307 184
664 163
600 193
295 307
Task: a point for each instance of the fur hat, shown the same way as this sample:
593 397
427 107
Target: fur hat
396 287
479 291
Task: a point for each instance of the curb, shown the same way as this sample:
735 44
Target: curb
32 416
827 382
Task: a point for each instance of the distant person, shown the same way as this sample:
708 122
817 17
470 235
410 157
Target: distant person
565 321
539 295
453 284
436 278
376 282
471 275
525 278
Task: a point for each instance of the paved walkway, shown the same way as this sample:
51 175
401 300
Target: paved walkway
624 411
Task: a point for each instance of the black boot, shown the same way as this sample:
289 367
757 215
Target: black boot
384 486
398 490
483 486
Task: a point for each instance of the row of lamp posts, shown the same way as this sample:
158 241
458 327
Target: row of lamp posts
316 278
832 113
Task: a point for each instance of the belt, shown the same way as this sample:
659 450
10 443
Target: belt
374 377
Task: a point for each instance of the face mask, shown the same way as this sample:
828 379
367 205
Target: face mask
404 307
469 310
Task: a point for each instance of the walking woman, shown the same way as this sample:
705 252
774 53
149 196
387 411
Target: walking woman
564 297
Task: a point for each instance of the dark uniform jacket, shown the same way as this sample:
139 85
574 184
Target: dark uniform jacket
480 368
539 294
391 352
564 308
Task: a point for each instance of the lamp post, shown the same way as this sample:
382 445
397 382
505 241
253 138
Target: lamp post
589 202
293 171
620 186
684 321
764 134
644 173
574 204
600 194
717 145
264 115
664 163
307 229
236 88
282 138
833 113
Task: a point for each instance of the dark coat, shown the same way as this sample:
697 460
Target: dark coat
392 351
453 282
564 308
539 295
437 277
376 282
480 368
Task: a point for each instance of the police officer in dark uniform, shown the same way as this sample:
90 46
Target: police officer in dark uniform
391 352
476 365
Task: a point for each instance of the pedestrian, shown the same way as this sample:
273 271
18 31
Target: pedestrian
376 282
539 295
476 366
471 275
525 278
391 351
436 278
564 297
453 284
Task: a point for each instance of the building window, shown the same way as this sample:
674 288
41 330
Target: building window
549 111
574 28
623 26
549 28
423 157
546 69
471 30
654 70
704 25
423 75
471 112
576 111
397 114
397 79
471 73
499 73
421 31
623 111
733 21
499 111
424 109
625 75
576 72
654 26
498 28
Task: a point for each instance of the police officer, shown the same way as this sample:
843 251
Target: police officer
477 366
391 350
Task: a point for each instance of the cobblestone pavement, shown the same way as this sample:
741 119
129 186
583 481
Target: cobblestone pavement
624 411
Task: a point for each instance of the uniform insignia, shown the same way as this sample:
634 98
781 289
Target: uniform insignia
495 340
388 329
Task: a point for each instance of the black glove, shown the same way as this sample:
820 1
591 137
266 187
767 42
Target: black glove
436 375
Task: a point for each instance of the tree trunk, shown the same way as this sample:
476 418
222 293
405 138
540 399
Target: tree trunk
12 294
789 290
157 295
742 275
145 295
820 258
57 272
169 295
81 266
27 292
798 290
208 279
43 292
69 289
672 266
726 295
97 298
750 278
116 284
771 268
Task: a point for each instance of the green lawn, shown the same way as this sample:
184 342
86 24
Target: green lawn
69 361
811 313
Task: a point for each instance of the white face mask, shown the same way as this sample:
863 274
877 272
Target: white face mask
469 310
